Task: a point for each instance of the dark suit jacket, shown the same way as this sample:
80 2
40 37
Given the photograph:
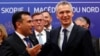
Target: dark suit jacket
79 43
35 39
95 42
46 47
13 46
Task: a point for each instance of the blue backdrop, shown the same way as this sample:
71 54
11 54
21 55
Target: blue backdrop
89 8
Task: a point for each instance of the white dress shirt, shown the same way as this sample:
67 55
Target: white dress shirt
61 38
49 28
43 36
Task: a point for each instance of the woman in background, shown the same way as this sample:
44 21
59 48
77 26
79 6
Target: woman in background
3 33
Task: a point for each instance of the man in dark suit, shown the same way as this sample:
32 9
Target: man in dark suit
40 35
20 43
69 39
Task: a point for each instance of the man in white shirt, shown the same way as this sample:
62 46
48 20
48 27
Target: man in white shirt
69 39
41 36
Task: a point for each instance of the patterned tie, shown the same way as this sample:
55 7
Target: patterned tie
64 40
28 42
40 38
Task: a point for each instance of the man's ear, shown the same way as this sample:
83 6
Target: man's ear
18 24
87 26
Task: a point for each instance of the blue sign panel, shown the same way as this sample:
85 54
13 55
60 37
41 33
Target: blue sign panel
81 8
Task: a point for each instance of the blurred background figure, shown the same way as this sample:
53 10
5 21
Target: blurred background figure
3 33
85 23
48 20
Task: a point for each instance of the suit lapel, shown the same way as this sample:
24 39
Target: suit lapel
47 36
33 39
54 36
72 35
18 40
57 33
18 43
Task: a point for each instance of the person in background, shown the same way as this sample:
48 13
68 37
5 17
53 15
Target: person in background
85 23
69 39
3 33
20 43
48 20
40 35
38 22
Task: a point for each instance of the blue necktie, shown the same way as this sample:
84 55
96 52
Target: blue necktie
40 38
28 42
64 40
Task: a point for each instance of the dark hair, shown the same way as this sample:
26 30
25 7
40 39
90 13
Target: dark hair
38 13
47 12
17 16
87 20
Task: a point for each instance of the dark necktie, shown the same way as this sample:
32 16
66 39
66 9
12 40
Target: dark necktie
28 42
64 40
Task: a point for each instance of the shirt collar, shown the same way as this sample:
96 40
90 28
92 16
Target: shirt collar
42 32
69 28
50 27
20 35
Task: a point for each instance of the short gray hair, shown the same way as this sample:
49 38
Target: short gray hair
63 3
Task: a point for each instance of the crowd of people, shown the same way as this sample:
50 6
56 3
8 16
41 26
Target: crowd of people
34 34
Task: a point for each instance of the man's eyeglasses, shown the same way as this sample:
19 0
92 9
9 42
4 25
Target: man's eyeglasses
37 20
